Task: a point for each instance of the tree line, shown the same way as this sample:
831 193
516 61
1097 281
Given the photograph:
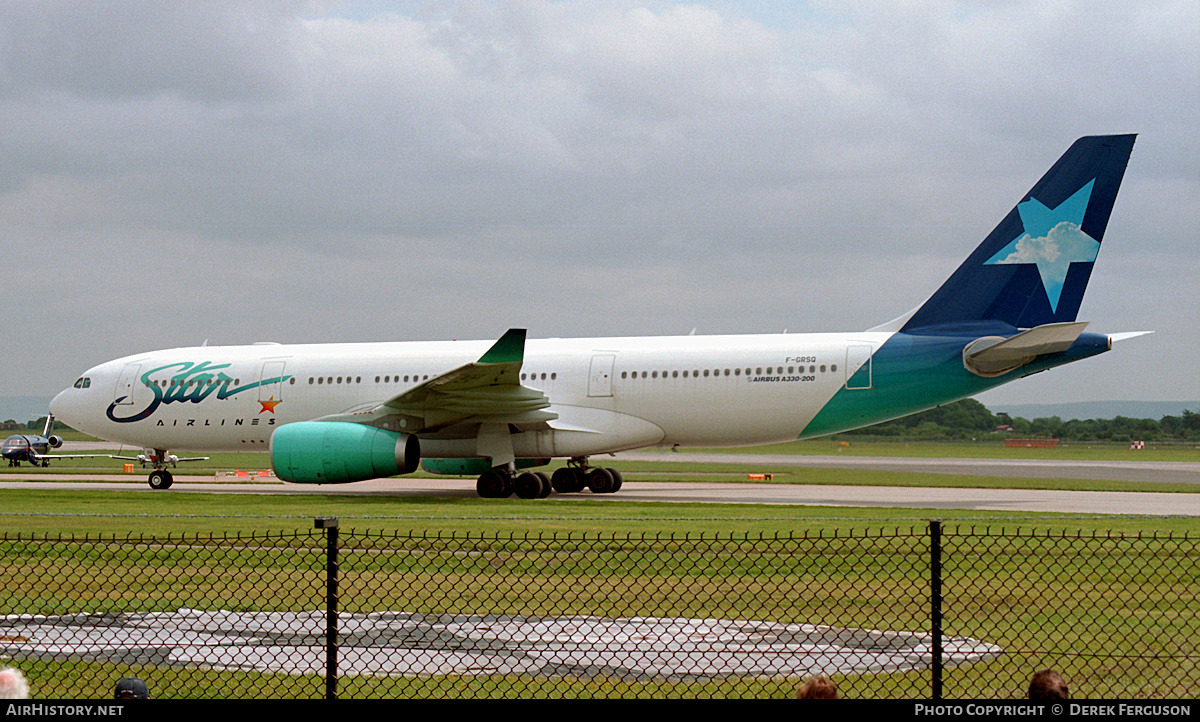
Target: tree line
969 419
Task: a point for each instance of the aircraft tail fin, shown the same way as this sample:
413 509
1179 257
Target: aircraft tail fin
1034 267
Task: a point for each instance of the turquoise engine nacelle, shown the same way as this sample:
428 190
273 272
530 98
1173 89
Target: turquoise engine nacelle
338 452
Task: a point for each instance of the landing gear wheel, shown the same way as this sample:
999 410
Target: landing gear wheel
493 484
546 487
528 486
617 480
161 479
600 481
566 480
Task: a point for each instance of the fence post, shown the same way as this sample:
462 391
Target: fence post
935 605
330 525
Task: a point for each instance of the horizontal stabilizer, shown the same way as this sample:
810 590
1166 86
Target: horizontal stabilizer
992 356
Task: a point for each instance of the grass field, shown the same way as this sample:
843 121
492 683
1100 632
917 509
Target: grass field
865 587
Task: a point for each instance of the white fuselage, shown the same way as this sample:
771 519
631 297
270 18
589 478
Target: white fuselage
609 394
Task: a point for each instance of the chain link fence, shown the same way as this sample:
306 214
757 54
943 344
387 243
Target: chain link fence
906 613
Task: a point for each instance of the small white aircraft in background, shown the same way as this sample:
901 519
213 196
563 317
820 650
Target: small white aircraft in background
336 413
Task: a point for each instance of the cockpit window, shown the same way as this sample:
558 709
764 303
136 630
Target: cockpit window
83 383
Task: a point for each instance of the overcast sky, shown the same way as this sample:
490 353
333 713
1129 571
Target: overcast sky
172 173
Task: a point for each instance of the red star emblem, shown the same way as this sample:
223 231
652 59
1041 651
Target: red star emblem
269 405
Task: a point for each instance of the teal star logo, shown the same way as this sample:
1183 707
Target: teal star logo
1052 240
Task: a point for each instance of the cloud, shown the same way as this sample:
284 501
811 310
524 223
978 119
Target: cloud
1053 254
358 171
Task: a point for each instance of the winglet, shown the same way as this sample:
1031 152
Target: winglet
510 348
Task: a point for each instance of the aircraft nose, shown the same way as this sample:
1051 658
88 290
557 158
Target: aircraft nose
62 406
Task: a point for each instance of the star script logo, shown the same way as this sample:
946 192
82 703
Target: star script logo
269 405
1052 240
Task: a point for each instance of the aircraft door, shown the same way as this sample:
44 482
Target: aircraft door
600 375
127 384
858 366
270 385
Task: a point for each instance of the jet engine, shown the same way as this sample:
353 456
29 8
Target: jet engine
337 452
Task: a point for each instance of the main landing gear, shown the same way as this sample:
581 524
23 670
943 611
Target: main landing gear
501 482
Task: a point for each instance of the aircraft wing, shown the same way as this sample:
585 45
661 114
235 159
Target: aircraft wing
487 390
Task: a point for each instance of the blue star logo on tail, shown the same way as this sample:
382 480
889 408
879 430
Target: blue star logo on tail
1052 240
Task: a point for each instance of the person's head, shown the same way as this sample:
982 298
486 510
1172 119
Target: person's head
817 688
131 688
1048 684
13 684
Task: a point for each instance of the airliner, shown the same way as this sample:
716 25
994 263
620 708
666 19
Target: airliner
500 409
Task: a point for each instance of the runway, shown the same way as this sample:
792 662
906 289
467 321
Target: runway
1178 472
894 497
642 488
